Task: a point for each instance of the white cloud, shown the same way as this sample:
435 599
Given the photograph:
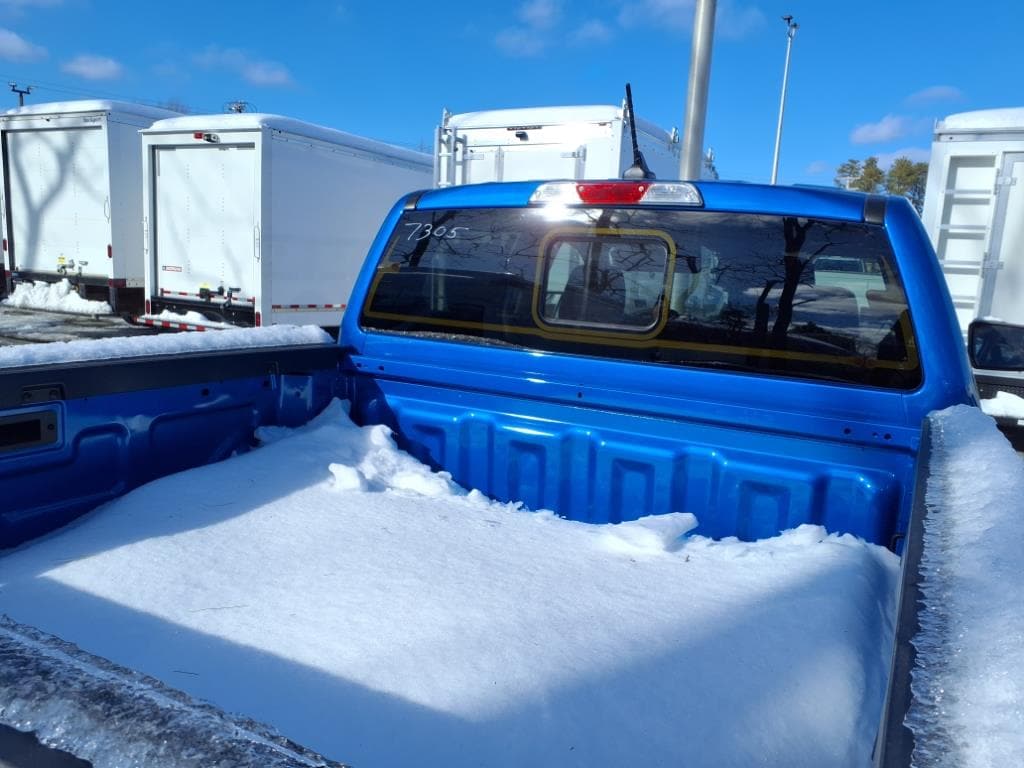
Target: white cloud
517 41
93 67
676 14
737 22
531 39
914 154
593 31
265 73
817 167
935 93
888 128
540 14
731 20
14 47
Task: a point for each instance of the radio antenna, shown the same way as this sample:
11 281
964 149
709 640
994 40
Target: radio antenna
639 169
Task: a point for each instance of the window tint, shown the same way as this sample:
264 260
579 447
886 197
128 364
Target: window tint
603 281
767 294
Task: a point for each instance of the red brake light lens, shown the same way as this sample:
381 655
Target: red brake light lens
616 193
611 193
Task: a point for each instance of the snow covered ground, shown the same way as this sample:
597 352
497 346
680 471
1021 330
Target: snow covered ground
331 586
55 297
1004 406
32 326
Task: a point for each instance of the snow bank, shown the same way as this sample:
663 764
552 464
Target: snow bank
54 297
1004 406
161 344
331 586
196 318
968 683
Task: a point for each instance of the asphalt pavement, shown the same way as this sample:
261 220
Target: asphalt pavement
33 326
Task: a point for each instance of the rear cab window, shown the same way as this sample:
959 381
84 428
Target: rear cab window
786 296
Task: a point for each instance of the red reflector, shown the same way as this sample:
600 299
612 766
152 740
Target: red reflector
149 307
601 193
5 244
198 135
110 251
259 319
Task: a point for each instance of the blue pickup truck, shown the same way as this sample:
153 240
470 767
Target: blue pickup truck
606 350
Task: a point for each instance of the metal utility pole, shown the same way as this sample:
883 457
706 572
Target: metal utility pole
21 92
697 92
790 32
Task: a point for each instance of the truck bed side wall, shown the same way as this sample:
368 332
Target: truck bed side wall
96 430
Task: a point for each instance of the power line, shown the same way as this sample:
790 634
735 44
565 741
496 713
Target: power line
21 92
87 93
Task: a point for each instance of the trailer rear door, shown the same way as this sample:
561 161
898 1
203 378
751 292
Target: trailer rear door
205 216
59 204
1002 296
963 239
979 237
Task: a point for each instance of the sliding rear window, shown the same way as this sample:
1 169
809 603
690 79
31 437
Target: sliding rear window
767 294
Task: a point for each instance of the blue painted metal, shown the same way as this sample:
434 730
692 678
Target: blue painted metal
594 440
604 440
109 444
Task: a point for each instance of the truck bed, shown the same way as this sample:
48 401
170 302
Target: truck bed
333 587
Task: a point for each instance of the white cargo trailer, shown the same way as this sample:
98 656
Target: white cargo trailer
584 142
72 196
974 214
254 219
974 211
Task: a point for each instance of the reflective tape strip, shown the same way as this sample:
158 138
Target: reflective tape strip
306 307
171 326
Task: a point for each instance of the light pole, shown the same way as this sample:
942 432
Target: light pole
790 32
697 93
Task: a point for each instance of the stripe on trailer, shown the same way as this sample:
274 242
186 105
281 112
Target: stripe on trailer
306 307
171 326
118 283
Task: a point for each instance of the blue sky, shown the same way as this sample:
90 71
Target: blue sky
866 78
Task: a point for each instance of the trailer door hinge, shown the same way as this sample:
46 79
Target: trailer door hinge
1006 181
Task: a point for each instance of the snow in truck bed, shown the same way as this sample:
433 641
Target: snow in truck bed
331 586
